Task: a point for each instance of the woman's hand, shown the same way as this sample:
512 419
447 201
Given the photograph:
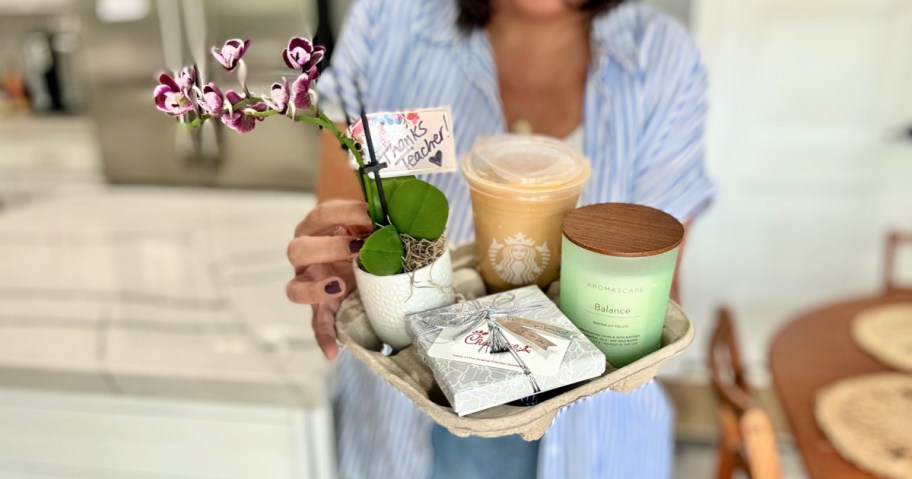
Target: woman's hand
325 243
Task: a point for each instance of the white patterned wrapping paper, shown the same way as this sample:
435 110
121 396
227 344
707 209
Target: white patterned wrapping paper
470 387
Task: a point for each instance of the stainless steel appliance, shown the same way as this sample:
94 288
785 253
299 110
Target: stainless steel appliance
126 42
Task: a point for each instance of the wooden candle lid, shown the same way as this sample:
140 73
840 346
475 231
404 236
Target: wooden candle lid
622 229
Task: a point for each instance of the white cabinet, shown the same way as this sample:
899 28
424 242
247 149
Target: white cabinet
44 435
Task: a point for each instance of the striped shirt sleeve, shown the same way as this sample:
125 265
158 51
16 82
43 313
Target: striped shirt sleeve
669 168
343 84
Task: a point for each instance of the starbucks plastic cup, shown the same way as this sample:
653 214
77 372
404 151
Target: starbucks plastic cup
521 188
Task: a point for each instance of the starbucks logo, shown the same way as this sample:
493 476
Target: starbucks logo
518 261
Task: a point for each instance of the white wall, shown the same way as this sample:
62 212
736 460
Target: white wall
681 9
805 98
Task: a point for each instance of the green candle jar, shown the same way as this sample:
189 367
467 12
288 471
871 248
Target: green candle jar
616 273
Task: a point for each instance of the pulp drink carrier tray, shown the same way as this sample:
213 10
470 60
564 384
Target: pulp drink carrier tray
405 370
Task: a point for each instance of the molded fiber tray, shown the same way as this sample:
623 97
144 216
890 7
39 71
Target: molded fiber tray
407 373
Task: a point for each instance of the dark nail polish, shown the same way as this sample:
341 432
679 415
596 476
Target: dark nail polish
355 245
333 288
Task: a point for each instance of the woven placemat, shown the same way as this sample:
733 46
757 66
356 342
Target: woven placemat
869 421
885 332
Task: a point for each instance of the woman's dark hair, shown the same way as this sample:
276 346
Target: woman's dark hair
476 13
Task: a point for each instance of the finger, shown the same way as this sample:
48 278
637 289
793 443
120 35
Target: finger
333 213
315 272
308 250
346 271
324 327
307 291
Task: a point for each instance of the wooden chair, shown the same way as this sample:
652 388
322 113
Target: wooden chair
894 240
748 442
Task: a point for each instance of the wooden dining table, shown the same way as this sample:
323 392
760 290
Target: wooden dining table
815 350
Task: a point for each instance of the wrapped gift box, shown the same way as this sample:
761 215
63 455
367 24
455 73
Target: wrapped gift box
472 387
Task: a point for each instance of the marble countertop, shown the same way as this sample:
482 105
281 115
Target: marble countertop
160 292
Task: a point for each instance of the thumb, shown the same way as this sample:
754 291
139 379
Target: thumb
324 327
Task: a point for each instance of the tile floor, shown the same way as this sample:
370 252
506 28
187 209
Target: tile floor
696 460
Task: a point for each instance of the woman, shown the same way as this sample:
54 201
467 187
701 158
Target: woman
621 82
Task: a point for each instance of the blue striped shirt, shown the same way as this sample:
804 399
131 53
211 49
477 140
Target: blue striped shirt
643 120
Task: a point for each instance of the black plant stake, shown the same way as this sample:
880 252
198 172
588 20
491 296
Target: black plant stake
373 166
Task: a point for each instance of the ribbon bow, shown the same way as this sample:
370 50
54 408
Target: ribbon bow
472 314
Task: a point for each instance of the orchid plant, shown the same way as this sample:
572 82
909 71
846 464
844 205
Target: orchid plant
407 236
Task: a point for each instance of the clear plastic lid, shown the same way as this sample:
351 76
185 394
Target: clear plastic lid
525 163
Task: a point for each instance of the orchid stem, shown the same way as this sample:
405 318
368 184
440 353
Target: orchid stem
263 114
315 117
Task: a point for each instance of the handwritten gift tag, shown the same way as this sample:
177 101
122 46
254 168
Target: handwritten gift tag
410 142
470 348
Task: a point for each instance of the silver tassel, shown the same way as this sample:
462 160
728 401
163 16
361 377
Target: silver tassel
498 341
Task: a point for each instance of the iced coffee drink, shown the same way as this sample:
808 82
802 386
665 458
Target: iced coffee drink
521 187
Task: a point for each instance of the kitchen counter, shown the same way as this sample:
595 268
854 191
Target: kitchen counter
155 291
145 332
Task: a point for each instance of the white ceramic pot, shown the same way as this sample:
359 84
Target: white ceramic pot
388 299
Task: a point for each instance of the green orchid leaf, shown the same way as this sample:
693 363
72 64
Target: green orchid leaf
418 209
373 202
382 252
390 185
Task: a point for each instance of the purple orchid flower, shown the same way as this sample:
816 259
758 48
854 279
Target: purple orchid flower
239 120
212 100
187 78
231 53
234 97
171 98
279 97
300 89
301 54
